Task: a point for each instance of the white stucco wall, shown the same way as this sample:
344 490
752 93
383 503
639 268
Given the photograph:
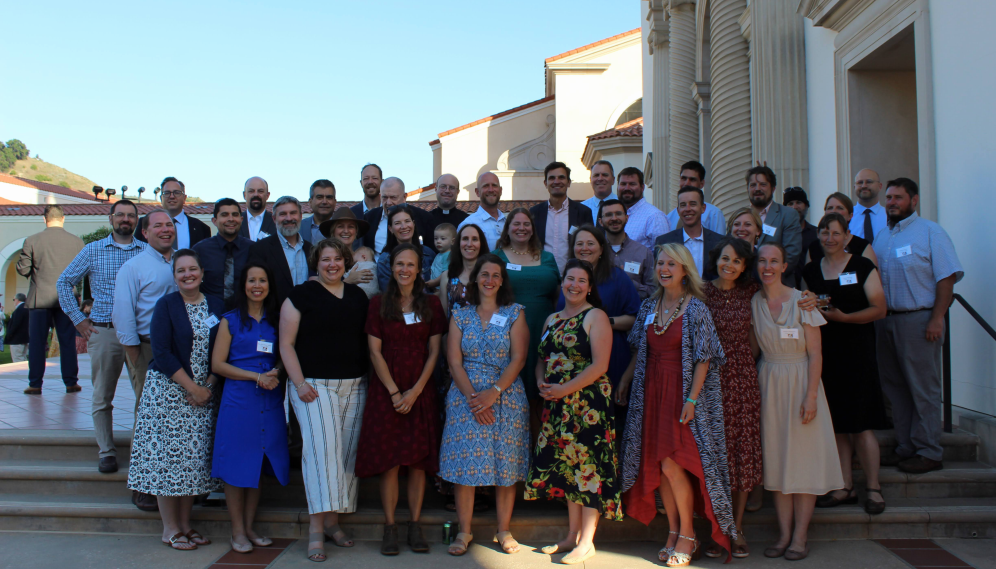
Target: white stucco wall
962 49
31 195
821 117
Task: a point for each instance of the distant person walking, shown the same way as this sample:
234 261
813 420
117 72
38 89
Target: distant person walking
17 330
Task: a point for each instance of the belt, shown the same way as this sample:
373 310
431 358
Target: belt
145 339
895 312
103 324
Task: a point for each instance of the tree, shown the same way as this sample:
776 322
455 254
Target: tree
20 150
7 159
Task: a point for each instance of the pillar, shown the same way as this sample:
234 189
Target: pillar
659 50
683 139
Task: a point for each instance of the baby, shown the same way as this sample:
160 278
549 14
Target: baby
444 237
363 259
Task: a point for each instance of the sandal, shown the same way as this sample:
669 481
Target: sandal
665 553
507 542
239 548
317 554
196 538
573 559
714 551
175 543
740 549
874 508
460 544
684 559
828 500
333 533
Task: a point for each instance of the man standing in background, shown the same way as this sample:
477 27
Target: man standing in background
371 177
322 201
602 178
258 222
17 331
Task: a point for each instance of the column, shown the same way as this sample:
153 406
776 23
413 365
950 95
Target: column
659 50
683 140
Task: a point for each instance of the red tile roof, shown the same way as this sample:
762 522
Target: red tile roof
418 191
18 181
493 117
631 128
592 45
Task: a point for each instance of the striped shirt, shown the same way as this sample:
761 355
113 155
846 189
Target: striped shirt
646 223
101 260
913 256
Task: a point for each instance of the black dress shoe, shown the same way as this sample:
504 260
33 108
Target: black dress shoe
144 502
891 459
108 464
32 391
73 388
920 464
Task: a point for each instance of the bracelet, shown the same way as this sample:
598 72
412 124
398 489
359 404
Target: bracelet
497 388
257 379
692 401
303 383
395 393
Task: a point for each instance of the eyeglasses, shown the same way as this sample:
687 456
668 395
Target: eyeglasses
171 193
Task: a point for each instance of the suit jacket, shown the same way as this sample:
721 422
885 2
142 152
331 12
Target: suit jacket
270 253
788 231
578 214
357 210
17 328
423 225
43 258
199 231
305 230
172 336
268 225
709 241
809 235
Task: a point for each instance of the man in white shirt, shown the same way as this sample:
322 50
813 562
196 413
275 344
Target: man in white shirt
646 222
698 239
488 217
602 178
257 223
693 174
867 186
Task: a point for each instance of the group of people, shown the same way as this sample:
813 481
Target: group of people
584 349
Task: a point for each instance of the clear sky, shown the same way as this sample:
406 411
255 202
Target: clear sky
126 93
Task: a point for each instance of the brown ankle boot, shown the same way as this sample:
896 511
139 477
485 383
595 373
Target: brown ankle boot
389 546
415 538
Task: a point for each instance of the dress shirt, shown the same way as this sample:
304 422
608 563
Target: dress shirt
297 261
213 254
492 226
695 246
913 256
557 226
878 217
101 260
380 238
316 235
712 219
255 223
140 283
182 225
646 223
632 252
595 202
764 212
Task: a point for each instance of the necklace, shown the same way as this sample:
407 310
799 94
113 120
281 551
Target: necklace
522 253
666 310
659 330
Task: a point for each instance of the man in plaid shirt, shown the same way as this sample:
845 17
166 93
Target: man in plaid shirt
101 260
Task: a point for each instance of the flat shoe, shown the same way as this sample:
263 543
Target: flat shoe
874 508
239 548
828 500
571 559
507 542
261 541
774 552
792 555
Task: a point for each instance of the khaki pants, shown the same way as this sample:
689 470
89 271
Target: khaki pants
18 352
107 356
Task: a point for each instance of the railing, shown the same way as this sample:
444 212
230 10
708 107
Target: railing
947 354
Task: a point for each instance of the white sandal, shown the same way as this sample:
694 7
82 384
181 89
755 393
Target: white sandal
665 553
683 559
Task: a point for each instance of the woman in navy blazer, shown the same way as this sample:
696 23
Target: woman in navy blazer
174 427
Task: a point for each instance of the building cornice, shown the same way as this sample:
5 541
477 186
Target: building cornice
832 14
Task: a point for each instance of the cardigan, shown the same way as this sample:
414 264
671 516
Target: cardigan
173 336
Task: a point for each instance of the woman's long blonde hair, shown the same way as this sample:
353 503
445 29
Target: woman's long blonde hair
680 253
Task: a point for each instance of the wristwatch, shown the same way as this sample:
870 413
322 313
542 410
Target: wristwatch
497 388
612 321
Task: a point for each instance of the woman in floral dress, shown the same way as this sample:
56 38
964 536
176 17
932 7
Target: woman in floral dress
575 458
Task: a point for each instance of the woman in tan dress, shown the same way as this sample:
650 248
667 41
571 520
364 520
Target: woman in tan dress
797 439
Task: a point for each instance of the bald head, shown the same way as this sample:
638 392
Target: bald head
256 192
488 190
867 186
392 192
447 188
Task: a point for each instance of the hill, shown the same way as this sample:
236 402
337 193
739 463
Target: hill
36 169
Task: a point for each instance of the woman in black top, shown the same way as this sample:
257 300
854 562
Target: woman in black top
842 205
324 349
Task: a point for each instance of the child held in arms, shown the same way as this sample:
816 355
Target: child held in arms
444 237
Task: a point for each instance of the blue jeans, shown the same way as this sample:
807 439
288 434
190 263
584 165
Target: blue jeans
40 321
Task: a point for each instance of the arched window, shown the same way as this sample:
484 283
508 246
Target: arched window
632 112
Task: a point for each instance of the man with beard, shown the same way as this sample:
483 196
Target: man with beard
796 199
286 253
697 239
560 216
869 216
189 231
224 255
636 260
258 222
693 174
779 224
919 268
488 217
101 260
447 189
602 178
322 200
371 177
140 283
646 222
392 193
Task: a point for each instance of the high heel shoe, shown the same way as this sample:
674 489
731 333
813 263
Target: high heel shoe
665 553
684 559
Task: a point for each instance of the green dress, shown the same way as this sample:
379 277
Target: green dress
536 288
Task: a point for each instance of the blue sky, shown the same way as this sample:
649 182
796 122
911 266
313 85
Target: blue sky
215 92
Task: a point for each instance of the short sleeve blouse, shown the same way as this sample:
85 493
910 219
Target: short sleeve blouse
331 343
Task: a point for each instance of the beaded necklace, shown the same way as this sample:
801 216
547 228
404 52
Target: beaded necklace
658 330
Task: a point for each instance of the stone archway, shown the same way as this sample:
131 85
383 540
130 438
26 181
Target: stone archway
8 257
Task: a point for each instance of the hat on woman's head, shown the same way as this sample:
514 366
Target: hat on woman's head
340 215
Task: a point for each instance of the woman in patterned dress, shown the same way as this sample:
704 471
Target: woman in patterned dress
675 441
174 430
486 437
575 458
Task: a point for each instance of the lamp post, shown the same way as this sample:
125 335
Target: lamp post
110 192
141 190
97 190
123 190
156 191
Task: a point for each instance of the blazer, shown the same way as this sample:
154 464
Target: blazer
709 240
172 336
268 225
423 225
305 229
787 231
43 258
578 214
357 210
199 231
17 327
269 252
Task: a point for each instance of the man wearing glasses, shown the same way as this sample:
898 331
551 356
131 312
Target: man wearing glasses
189 231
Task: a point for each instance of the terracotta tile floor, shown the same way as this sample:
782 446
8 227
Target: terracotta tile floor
54 408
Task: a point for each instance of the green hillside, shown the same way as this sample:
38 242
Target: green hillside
36 169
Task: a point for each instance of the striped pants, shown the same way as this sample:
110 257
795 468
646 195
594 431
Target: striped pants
330 433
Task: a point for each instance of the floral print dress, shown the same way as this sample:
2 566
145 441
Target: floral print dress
575 458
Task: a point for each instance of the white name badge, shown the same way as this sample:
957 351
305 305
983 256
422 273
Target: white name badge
412 318
790 333
512 267
650 319
265 347
904 251
498 319
768 230
632 267
211 321
572 230
848 279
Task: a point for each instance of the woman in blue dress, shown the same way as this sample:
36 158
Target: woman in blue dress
486 437
251 434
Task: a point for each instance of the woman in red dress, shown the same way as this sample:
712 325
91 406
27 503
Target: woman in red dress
401 425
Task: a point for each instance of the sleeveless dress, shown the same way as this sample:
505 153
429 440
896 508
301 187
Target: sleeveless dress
575 458
486 455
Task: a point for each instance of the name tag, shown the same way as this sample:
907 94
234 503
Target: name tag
265 347
768 230
632 267
904 251
650 319
498 319
790 333
545 334
848 279
412 318
512 267
572 230
211 321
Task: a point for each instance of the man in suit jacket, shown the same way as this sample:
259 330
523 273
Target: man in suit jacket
780 224
286 253
323 202
371 177
392 193
257 223
43 258
559 217
698 239
189 231
17 330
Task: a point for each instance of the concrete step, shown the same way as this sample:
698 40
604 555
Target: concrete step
959 445
56 445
